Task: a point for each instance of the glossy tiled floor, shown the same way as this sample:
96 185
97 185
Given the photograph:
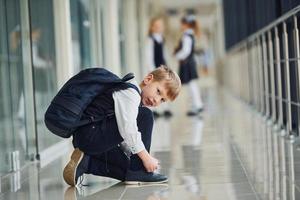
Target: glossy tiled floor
200 155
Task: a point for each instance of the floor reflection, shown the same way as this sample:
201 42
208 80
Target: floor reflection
228 153
191 155
120 191
161 143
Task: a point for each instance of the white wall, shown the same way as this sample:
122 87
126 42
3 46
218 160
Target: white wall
105 46
111 31
131 37
63 41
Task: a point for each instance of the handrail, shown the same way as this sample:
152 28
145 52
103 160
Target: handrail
264 29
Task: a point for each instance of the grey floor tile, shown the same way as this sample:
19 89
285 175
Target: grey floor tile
200 156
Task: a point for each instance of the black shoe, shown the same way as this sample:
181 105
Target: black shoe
200 110
76 167
195 112
142 177
156 114
168 113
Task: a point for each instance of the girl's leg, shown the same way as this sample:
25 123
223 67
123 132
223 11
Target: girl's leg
195 95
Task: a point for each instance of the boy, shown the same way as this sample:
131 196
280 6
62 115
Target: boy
118 146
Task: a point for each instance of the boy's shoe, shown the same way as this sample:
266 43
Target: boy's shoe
195 112
142 177
75 167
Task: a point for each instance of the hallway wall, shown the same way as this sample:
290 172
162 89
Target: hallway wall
263 71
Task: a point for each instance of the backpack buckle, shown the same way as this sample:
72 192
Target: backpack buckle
110 114
92 118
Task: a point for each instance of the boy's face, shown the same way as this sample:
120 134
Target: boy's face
153 92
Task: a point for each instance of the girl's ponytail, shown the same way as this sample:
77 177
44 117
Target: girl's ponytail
190 20
196 28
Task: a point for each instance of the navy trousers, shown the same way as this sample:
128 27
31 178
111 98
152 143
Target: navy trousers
99 142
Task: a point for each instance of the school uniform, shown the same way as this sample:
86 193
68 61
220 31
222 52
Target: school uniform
154 52
188 67
185 54
128 124
155 57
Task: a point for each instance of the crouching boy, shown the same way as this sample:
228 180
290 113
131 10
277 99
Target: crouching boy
118 146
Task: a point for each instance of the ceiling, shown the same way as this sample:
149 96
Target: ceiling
179 3
202 7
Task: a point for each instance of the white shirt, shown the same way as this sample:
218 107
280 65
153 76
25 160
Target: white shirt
126 104
186 48
149 52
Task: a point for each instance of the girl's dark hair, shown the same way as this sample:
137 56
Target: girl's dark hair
190 20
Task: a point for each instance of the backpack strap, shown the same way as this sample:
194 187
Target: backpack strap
126 85
130 85
128 77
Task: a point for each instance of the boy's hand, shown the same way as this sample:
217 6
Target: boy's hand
149 162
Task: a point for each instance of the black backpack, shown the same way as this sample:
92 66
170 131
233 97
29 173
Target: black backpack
63 116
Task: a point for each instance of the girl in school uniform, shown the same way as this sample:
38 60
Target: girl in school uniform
184 53
155 56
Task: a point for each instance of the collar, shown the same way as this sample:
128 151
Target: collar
157 37
189 31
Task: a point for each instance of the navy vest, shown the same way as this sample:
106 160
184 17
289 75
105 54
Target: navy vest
103 104
107 128
191 56
158 53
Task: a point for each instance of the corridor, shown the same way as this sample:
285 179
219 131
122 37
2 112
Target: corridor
212 156
244 55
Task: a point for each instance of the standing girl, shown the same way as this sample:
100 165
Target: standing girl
187 64
155 55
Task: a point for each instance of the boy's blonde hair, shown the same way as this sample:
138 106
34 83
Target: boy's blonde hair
170 78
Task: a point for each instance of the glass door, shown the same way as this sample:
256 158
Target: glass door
81 40
13 137
44 66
